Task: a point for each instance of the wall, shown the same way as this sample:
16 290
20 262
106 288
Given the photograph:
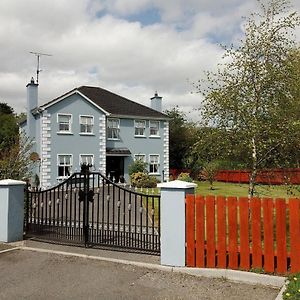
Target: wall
74 143
139 145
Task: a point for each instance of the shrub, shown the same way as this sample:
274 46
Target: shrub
185 177
137 166
293 287
141 179
209 171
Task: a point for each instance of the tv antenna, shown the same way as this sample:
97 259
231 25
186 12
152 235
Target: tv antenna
38 70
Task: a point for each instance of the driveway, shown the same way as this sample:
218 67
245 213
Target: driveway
32 275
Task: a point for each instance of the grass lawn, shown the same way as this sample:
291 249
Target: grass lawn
236 189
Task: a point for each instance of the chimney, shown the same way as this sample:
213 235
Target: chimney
32 102
156 102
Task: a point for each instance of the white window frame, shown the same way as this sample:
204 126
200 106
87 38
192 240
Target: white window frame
80 123
86 154
143 155
139 127
158 164
58 164
157 134
118 129
70 123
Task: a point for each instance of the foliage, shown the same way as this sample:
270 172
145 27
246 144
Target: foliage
137 166
251 99
144 180
181 138
8 128
210 170
292 291
15 161
6 109
185 177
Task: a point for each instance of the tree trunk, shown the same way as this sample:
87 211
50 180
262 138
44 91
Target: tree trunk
252 180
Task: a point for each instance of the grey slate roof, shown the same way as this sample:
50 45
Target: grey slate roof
114 104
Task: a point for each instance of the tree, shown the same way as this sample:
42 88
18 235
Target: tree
181 138
15 148
250 96
15 161
8 127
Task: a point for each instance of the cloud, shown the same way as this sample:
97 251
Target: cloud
96 42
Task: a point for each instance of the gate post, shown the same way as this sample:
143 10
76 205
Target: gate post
172 220
11 210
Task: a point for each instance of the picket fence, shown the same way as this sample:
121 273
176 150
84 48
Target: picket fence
238 233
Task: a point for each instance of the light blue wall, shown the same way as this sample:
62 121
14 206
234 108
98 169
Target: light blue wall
75 143
139 145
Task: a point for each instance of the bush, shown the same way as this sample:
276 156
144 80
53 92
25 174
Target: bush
141 179
137 166
185 177
293 288
210 171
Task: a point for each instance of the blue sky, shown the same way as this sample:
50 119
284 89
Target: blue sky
131 47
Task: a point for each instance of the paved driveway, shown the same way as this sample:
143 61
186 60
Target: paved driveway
36 275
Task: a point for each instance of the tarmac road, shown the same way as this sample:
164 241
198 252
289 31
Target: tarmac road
35 275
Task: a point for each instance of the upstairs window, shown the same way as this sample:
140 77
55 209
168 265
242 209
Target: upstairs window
64 162
86 124
139 127
87 159
64 123
154 128
113 129
153 164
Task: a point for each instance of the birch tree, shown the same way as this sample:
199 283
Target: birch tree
250 94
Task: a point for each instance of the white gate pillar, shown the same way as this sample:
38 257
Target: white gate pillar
11 210
172 221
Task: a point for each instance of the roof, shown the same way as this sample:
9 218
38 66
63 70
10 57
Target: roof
118 151
112 103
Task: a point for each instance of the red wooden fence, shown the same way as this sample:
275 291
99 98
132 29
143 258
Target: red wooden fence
236 233
272 176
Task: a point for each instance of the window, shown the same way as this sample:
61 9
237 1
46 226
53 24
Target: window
64 162
113 129
139 126
87 159
141 157
153 163
86 124
154 128
64 123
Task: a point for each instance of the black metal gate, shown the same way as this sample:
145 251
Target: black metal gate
89 209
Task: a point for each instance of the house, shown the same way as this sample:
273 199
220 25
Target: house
95 126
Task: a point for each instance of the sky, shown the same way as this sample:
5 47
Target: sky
130 47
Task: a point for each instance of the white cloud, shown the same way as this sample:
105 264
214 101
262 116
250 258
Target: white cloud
93 43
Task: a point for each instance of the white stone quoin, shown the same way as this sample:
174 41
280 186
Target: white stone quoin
172 221
11 210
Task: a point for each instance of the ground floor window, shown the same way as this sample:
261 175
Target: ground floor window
64 162
153 163
87 159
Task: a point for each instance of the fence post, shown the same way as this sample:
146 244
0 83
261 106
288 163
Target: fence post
172 209
11 210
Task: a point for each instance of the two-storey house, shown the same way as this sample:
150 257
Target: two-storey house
95 126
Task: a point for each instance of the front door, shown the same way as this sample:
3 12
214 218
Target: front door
115 168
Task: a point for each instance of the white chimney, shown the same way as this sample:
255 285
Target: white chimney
32 102
156 102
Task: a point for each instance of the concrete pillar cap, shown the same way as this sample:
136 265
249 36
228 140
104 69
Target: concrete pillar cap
11 182
177 184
